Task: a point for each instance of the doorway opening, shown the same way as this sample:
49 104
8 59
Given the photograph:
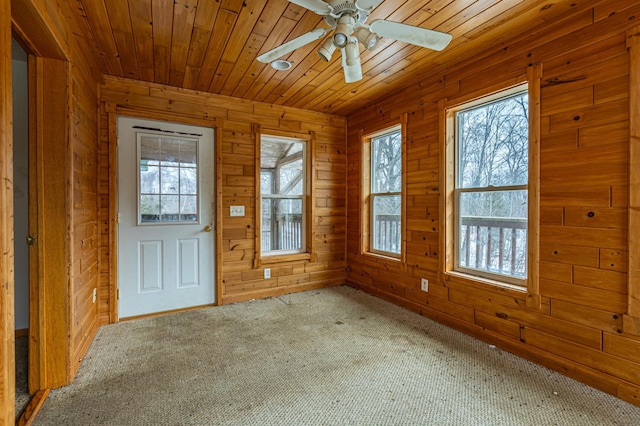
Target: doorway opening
21 220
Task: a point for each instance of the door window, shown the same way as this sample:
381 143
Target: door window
168 179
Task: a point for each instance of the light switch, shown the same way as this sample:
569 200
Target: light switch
236 211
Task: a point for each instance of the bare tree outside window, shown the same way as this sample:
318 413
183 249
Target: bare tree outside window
492 144
386 187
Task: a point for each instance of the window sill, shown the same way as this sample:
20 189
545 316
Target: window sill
377 257
485 283
282 258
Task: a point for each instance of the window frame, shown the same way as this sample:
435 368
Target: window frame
305 252
368 196
531 82
458 190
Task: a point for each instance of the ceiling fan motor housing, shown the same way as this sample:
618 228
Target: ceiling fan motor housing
344 7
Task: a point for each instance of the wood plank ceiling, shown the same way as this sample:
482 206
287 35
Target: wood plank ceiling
212 45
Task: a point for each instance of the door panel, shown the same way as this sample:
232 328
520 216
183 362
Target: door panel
166 205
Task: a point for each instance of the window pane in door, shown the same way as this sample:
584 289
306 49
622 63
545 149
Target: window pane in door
168 179
188 181
149 208
149 178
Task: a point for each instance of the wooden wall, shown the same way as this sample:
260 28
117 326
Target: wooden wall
85 201
63 123
584 184
237 122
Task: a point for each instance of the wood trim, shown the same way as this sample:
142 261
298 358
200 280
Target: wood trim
112 120
309 139
7 340
534 300
310 196
36 33
447 109
365 190
446 144
256 134
53 181
165 116
404 119
218 172
33 407
366 209
631 321
35 218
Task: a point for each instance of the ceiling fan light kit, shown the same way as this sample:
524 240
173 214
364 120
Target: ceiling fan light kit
368 39
326 50
281 64
343 30
346 19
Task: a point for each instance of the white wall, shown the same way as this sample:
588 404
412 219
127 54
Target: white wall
21 184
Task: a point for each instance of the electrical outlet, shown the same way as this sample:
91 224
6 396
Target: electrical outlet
267 273
236 210
95 295
424 285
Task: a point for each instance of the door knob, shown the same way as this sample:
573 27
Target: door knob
208 228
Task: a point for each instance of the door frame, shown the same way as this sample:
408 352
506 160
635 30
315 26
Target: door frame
114 111
49 277
49 359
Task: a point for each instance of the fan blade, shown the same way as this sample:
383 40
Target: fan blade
367 5
292 45
409 34
352 73
317 6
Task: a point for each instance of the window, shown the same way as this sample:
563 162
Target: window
282 195
167 179
491 187
385 192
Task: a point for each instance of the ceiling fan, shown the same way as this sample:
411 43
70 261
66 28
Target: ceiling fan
346 19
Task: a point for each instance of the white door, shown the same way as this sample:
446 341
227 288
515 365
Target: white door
166 207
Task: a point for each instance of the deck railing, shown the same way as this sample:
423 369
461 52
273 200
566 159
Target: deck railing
283 233
387 233
491 244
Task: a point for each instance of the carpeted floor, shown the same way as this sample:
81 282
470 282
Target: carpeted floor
22 385
335 356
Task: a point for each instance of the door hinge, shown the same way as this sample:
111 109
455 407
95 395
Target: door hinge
118 217
118 294
32 240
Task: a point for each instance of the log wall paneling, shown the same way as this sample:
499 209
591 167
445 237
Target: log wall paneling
239 276
586 244
63 109
7 346
84 192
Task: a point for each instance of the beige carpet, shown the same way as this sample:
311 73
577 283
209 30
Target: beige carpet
331 357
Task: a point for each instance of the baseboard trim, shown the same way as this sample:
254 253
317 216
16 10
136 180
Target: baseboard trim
33 407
